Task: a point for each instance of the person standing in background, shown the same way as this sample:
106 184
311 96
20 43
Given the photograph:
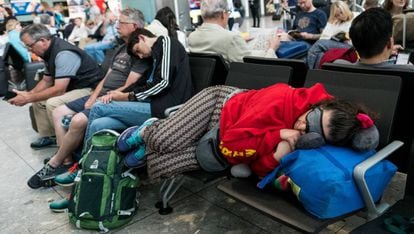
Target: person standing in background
254 6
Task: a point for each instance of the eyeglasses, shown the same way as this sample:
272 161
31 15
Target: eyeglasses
30 46
123 22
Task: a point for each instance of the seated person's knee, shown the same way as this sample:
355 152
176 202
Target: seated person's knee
78 122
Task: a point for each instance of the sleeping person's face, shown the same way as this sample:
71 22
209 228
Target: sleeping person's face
314 120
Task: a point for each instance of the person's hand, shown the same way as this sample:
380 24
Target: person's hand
396 48
291 136
306 36
274 42
105 99
114 96
118 96
282 149
284 36
21 99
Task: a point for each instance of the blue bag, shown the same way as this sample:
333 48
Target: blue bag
292 49
322 179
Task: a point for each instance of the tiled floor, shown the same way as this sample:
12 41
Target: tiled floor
198 207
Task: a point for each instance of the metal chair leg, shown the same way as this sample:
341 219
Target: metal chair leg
167 190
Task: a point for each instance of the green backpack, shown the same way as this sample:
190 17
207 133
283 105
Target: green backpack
105 193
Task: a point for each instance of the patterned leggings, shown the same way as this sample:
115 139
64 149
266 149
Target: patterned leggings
171 142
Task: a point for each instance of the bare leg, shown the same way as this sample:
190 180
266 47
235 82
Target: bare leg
71 140
58 114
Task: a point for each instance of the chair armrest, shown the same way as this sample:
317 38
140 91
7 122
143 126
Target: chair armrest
359 177
169 111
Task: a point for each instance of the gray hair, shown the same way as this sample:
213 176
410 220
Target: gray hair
211 8
134 15
44 19
36 31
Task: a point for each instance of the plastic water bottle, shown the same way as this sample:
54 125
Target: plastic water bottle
66 121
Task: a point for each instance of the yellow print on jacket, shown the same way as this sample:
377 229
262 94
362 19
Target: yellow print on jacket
233 153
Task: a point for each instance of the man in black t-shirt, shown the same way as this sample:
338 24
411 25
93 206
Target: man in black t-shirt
125 70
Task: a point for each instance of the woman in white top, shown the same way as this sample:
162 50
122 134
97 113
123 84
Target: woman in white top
340 19
165 24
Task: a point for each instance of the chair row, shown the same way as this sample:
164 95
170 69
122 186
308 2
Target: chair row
385 92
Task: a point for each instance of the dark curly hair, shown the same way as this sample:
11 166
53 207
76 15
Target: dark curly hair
134 39
343 124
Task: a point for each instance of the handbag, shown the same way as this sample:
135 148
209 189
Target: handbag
292 49
208 154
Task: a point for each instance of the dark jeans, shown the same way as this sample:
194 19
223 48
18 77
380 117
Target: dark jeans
318 49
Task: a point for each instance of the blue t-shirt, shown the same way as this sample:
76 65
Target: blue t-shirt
310 22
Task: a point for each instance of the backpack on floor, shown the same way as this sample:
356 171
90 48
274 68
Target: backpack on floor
105 193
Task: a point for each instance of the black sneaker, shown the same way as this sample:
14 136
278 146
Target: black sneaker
45 177
43 142
46 160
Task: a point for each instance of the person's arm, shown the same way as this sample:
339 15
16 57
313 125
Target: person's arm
66 66
43 84
237 49
327 32
310 36
91 100
57 89
117 94
274 43
161 76
133 77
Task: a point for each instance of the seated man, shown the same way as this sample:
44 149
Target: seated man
124 71
70 74
213 37
308 24
375 45
168 84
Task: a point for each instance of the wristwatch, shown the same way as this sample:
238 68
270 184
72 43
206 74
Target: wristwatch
131 97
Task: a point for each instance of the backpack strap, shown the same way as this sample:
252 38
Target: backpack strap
102 228
128 212
128 174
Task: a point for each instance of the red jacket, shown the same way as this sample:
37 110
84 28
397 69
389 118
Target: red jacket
251 121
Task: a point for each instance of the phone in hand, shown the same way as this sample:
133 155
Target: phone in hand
402 58
340 37
295 34
9 95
